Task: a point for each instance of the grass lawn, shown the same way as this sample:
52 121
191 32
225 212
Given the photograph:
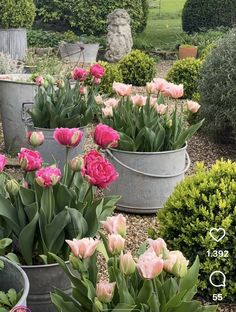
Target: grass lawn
163 25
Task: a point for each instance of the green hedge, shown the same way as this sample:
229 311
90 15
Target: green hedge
199 14
89 16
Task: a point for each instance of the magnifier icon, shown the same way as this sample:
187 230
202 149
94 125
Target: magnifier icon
218 273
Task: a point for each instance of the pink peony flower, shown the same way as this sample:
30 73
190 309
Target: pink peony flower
105 291
161 109
115 225
107 111
149 265
69 137
39 81
139 100
122 89
127 264
176 263
29 160
159 246
112 102
79 73
35 138
99 171
105 136
116 243
193 106
3 162
83 248
160 84
173 90
48 176
97 71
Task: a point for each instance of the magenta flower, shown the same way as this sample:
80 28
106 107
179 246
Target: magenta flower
105 136
29 160
97 71
3 162
69 137
79 73
48 176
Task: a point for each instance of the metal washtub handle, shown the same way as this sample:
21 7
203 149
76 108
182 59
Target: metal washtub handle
149 174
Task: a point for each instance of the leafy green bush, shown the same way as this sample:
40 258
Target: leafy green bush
113 73
187 72
218 92
89 16
137 68
203 201
16 14
199 14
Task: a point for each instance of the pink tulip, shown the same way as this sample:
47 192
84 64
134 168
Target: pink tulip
3 162
107 111
82 90
83 248
139 100
193 106
161 109
79 73
97 81
153 101
35 138
105 136
115 225
48 176
98 99
116 243
160 84
112 102
176 263
77 164
39 81
69 137
174 91
29 160
122 89
91 156
97 71
127 264
151 88
149 265
159 246
105 291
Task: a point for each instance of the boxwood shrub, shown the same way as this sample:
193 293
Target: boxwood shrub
200 202
113 73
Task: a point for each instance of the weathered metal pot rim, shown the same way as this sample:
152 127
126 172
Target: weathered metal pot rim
18 76
12 29
52 129
41 266
148 153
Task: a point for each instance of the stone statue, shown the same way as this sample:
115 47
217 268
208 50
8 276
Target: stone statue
119 37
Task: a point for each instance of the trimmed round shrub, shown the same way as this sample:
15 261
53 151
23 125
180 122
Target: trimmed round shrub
200 202
16 14
202 14
89 16
217 86
187 72
137 68
113 73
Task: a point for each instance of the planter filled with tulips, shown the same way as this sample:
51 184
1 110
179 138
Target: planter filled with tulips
155 280
46 207
63 103
150 136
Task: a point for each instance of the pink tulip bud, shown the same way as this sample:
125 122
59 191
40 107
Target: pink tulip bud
29 160
107 111
77 164
159 246
83 90
98 71
115 225
161 109
112 102
176 263
105 291
122 89
12 187
83 248
69 137
149 265
60 83
105 136
35 138
48 176
193 106
98 99
3 162
127 264
139 100
25 184
39 81
97 81
116 243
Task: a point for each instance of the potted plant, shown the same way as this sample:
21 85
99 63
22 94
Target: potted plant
151 153
47 207
64 105
158 280
186 50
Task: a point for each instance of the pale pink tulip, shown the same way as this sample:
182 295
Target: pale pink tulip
160 84
161 109
3 162
35 138
193 106
112 102
98 99
173 90
139 100
107 111
151 88
176 263
83 248
39 81
115 225
159 246
97 81
149 265
122 89
105 291
83 90
127 264
153 101
116 243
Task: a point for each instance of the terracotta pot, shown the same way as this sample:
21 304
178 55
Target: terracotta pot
187 51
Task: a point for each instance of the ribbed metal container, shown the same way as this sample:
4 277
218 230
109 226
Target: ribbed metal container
146 180
13 42
43 280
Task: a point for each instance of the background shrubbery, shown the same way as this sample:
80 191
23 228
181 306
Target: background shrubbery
113 73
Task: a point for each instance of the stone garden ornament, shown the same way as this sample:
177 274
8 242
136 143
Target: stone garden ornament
119 37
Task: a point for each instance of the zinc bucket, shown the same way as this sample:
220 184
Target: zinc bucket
146 179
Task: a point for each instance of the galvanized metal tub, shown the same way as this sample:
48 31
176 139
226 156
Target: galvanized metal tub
13 42
12 276
146 180
14 90
79 52
43 280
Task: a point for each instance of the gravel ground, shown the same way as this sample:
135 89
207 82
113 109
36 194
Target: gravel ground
199 149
